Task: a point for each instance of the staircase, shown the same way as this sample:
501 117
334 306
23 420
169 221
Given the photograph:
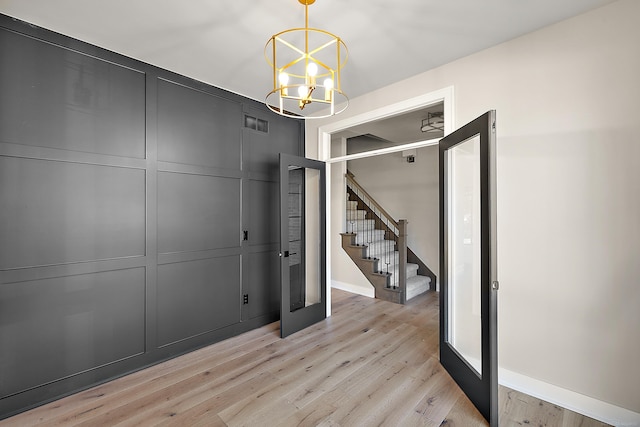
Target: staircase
377 245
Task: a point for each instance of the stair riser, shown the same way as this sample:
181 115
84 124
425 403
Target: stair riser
394 279
391 258
417 286
380 247
361 224
412 271
355 215
371 236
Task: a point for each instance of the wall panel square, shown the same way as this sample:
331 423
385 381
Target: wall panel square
195 297
53 328
197 212
197 128
58 98
263 285
264 221
60 212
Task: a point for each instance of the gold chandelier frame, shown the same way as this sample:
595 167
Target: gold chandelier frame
295 81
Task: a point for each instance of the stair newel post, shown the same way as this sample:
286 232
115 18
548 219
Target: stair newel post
402 252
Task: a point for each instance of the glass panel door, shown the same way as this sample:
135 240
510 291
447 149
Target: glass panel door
463 270
302 236
468 294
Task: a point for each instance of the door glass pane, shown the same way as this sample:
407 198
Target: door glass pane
464 331
304 237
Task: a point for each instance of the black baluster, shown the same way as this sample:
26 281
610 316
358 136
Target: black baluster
370 240
394 259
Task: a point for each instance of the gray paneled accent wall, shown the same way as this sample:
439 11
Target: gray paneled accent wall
126 195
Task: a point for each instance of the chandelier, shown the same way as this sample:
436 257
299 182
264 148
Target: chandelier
306 65
433 123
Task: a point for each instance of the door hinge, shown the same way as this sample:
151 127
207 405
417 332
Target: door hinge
245 235
245 299
495 285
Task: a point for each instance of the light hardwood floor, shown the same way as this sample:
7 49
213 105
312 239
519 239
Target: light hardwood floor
372 363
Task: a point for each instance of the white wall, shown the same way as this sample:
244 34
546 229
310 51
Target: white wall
407 191
568 109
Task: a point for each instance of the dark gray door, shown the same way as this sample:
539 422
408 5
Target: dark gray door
302 237
468 277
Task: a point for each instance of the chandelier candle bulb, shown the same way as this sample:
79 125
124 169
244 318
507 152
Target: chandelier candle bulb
284 80
312 70
328 89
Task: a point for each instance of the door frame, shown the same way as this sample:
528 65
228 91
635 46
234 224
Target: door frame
445 95
293 321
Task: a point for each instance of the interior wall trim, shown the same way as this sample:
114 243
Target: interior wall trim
585 405
354 289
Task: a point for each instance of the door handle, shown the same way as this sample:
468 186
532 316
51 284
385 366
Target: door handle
286 254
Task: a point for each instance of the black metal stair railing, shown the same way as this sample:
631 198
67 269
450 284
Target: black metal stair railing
384 237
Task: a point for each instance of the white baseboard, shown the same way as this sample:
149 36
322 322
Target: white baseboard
354 289
585 405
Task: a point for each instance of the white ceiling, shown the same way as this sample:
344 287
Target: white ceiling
221 42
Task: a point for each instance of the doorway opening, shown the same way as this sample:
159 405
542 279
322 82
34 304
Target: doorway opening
334 150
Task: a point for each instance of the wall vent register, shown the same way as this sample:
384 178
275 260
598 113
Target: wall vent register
256 124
